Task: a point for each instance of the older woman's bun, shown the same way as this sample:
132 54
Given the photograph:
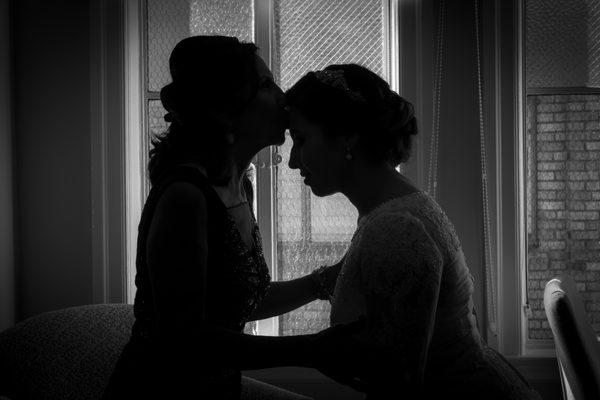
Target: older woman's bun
400 125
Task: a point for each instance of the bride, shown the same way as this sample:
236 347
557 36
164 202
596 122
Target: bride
405 269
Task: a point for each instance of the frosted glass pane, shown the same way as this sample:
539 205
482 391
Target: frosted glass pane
223 17
311 34
289 192
156 121
332 219
563 43
168 23
563 201
312 231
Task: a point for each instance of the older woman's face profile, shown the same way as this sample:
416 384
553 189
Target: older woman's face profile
265 118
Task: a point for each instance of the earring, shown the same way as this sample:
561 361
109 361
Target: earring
348 154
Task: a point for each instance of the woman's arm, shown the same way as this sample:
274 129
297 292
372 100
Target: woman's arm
285 296
401 269
177 259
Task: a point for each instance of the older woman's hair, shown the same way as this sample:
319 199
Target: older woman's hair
349 99
213 78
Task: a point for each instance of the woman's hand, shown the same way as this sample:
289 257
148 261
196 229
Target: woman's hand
324 279
332 273
341 355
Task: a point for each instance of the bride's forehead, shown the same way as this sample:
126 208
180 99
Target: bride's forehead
299 124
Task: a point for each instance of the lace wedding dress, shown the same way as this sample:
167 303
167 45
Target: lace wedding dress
405 270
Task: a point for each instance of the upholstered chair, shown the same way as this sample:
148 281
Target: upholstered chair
577 348
69 354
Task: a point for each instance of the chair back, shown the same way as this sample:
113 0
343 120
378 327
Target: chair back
577 348
65 354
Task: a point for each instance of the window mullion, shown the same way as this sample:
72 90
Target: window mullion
265 169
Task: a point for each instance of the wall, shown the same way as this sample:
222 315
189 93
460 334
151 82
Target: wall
52 154
7 270
459 168
563 149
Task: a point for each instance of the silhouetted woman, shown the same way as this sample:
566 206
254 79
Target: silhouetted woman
404 269
200 268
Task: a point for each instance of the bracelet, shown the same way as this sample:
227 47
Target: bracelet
320 281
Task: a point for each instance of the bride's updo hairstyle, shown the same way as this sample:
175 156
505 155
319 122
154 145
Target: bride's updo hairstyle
349 99
213 79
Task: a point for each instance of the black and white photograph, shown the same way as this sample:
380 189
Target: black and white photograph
299 199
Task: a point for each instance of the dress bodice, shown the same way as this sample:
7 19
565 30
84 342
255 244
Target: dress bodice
406 271
237 277
236 280
454 306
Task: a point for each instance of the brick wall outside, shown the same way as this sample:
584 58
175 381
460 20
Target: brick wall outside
563 201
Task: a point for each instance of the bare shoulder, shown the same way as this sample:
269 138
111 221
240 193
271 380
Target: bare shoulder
181 198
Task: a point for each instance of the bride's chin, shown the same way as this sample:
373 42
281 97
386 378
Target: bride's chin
317 192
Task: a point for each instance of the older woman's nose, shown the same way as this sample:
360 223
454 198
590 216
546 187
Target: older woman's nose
293 162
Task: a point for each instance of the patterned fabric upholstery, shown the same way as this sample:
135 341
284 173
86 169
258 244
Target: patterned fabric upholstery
64 354
69 354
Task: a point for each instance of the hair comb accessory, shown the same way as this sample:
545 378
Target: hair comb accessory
335 78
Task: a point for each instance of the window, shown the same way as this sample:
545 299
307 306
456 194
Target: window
312 231
300 231
562 156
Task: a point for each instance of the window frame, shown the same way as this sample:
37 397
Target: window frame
136 101
266 164
509 103
136 129
114 267
511 174
114 113
540 347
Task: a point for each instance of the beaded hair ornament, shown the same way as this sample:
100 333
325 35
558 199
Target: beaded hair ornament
335 78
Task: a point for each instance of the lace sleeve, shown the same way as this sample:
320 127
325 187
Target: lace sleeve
401 269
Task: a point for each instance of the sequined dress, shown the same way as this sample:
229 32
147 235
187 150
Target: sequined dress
406 270
236 280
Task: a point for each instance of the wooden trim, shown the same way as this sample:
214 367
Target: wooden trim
536 91
519 156
265 170
391 44
134 135
538 348
488 20
144 78
108 152
509 89
7 195
420 153
98 153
